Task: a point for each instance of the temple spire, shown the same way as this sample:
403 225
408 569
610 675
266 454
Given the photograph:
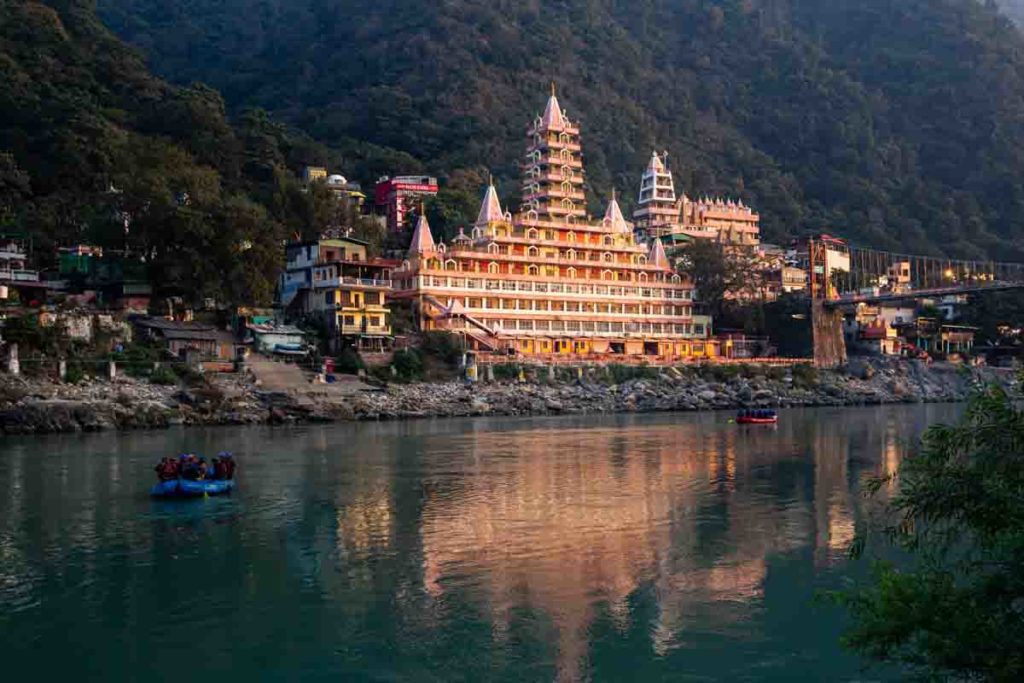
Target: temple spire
613 217
422 240
490 208
657 256
553 112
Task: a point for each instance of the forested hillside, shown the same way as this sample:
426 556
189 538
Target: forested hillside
898 124
1013 9
95 149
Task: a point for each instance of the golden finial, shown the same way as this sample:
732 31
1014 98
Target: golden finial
490 179
552 88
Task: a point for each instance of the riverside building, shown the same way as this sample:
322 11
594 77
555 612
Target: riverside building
661 214
550 281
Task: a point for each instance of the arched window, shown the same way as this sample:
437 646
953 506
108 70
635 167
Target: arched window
571 254
607 257
571 236
676 279
609 240
607 275
535 188
567 204
565 155
493 248
532 270
566 187
442 248
493 268
642 260
450 264
477 233
567 172
571 219
643 277
532 215
532 251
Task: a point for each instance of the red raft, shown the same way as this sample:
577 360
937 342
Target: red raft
757 417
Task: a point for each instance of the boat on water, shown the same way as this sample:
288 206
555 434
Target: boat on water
186 488
188 476
757 417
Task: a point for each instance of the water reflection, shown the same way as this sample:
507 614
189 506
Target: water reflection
590 548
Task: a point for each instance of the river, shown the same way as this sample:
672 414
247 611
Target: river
604 548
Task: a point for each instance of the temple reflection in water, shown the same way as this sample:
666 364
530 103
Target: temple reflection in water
607 547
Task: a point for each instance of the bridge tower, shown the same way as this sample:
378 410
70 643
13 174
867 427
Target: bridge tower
826 322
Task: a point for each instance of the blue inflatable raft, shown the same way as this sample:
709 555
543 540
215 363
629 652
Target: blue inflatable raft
187 488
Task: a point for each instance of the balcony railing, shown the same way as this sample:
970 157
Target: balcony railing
19 275
351 282
655 291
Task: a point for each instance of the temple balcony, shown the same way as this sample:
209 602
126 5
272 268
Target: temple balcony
555 160
570 128
555 192
484 284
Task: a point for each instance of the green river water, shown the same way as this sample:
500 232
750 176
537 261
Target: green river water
606 548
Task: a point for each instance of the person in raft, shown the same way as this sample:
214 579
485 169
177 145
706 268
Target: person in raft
193 468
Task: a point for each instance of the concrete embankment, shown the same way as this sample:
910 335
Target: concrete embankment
30 406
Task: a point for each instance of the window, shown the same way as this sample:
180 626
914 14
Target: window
531 234
349 320
492 268
375 321
329 298
571 237
373 298
532 270
532 251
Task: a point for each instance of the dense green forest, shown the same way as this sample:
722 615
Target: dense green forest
1013 9
897 124
94 148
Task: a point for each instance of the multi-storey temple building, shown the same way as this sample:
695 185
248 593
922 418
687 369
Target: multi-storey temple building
660 213
549 280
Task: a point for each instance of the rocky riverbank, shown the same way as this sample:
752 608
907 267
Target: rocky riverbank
32 406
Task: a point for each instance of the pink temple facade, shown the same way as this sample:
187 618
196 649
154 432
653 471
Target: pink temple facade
548 281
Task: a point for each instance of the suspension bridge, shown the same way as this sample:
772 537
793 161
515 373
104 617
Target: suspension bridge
841 276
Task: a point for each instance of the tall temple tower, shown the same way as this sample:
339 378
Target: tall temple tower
553 170
550 283
657 210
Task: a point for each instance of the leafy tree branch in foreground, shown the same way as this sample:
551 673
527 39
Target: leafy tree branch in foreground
957 609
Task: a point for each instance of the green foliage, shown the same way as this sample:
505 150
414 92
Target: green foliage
805 376
349 362
74 374
408 364
93 148
955 613
163 375
507 371
444 346
873 117
624 373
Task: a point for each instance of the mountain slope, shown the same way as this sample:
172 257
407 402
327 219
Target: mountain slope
897 124
93 148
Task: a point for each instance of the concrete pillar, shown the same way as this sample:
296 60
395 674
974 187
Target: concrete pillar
112 371
551 372
62 369
13 366
579 373
490 373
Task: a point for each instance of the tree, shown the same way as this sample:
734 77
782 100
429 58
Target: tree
721 273
957 611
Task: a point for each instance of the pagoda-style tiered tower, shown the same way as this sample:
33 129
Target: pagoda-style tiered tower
553 168
657 209
549 281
